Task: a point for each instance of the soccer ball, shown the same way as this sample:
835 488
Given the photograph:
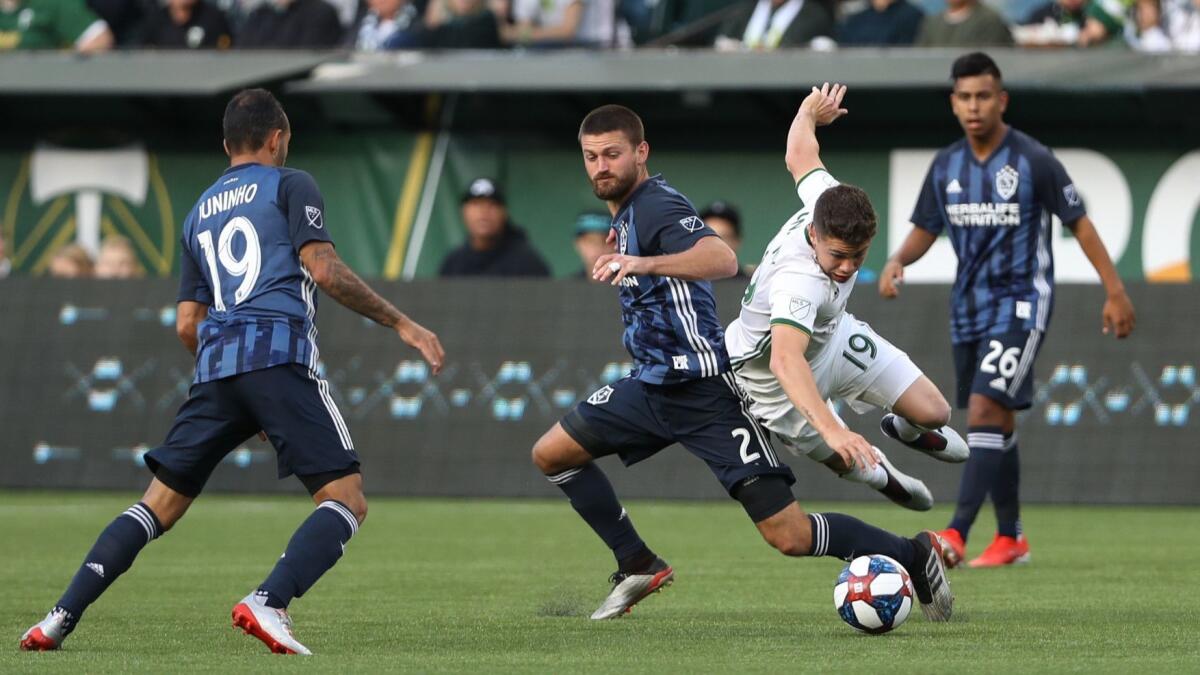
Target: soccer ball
873 594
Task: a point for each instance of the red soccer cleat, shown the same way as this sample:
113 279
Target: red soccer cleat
954 549
1003 551
272 626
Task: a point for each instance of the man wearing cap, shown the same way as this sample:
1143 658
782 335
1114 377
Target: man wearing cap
591 241
494 247
725 220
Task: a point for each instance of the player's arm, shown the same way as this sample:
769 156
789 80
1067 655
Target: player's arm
791 368
188 315
1118 315
822 106
915 245
709 258
341 283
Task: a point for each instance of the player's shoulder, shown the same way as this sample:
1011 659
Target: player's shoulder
948 151
294 176
1029 146
657 204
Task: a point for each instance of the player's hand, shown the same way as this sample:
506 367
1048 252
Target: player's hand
825 104
852 448
613 267
1118 315
423 340
890 279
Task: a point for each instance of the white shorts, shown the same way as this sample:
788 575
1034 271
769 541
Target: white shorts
857 367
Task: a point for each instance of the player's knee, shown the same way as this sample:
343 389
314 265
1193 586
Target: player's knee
934 414
546 457
793 543
358 507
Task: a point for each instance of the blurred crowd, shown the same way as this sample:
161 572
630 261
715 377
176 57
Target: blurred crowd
115 259
729 25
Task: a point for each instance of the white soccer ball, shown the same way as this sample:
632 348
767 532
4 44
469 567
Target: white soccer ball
873 594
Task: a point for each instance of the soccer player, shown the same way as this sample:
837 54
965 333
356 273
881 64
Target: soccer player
993 193
794 345
681 389
255 250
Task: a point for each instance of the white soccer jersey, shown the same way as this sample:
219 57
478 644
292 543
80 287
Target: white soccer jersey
788 287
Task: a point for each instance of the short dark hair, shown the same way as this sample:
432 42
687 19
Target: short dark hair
844 212
612 117
973 64
725 210
250 117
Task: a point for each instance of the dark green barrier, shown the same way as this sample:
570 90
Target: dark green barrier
92 374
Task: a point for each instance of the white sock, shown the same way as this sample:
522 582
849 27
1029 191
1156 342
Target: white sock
907 430
874 477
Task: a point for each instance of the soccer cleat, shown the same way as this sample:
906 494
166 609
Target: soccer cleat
929 579
954 547
902 488
272 626
1003 551
49 633
944 444
629 589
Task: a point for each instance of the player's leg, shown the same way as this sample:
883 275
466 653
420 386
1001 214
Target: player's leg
614 420
293 407
205 430
920 419
784 525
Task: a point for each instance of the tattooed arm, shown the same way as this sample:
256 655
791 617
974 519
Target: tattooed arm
341 283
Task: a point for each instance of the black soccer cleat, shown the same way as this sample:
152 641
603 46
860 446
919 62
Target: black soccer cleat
929 578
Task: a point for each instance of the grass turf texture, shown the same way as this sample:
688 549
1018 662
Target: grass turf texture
506 586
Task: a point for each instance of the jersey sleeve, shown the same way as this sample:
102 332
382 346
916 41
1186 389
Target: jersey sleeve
74 23
813 185
301 200
928 213
192 285
1057 192
670 225
795 297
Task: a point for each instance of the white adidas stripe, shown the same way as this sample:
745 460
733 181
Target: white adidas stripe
565 476
763 441
1026 361
820 536
707 348
343 512
142 519
682 300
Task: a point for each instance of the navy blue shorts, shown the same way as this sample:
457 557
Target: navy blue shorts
999 367
634 420
287 402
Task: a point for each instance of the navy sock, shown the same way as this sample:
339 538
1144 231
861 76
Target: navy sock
979 474
1006 490
313 549
847 537
111 555
593 499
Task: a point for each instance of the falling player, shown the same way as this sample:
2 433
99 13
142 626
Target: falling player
993 193
255 250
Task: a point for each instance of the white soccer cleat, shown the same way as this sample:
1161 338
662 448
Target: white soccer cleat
272 626
47 634
903 489
930 580
944 444
629 589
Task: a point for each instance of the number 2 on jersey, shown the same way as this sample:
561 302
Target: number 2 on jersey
247 267
745 436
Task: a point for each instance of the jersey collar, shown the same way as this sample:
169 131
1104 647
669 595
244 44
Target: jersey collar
239 167
638 190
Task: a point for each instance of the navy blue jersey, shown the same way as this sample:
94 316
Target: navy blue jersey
241 244
671 326
997 214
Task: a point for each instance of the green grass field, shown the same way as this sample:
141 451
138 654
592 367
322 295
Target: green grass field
506 586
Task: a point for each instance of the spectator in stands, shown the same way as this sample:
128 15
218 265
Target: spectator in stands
187 24
725 220
118 260
52 24
1105 21
965 23
495 247
770 24
461 24
1183 25
1146 33
388 21
559 23
290 24
124 17
5 263
71 262
1058 22
591 240
882 23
